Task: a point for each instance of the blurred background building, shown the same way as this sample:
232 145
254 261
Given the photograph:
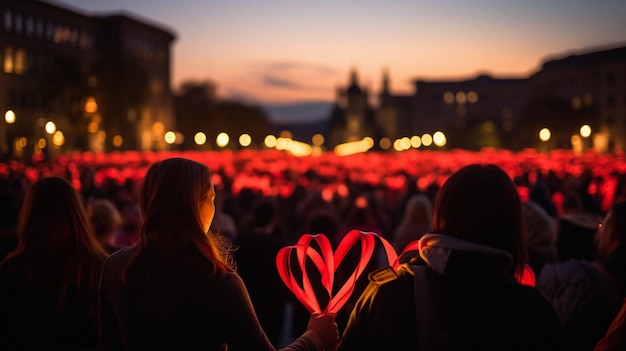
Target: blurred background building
76 82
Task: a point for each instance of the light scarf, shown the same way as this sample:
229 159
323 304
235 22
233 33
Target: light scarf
435 249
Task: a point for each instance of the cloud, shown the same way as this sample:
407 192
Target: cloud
293 75
279 82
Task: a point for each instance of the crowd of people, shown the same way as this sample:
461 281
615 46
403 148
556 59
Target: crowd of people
122 259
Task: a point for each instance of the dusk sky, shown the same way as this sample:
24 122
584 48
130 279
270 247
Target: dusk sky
292 51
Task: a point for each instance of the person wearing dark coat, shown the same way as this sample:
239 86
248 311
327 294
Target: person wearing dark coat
460 291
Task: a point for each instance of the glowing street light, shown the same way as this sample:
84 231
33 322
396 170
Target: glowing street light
585 131
439 138
222 139
544 134
245 140
170 137
9 117
50 127
199 138
270 141
427 139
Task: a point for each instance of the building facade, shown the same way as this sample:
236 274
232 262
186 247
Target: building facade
70 81
582 89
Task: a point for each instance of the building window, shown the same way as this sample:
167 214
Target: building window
8 21
30 26
39 28
8 59
20 61
19 25
50 31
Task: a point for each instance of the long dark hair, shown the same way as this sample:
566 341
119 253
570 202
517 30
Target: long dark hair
170 198
480 203
57 249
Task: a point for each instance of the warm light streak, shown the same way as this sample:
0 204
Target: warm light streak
222 139
50 127
91 105
58 139
92 127
170 137
427 139
270 141
354 147
118 140
585 131
318 140
199 138
544 134
385 143
439 138
245 140
416 141
9 117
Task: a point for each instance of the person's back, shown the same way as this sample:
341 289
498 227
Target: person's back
462 293
183 307
49 283
176 288
587 295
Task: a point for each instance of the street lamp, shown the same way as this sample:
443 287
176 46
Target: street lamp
585 131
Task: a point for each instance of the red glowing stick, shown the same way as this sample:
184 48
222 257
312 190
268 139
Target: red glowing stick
327 263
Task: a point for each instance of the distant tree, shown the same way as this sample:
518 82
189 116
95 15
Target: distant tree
554 113
198 110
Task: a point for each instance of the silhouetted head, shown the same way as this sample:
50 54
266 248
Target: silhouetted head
480 203
53 220
176 199
105 218
56 245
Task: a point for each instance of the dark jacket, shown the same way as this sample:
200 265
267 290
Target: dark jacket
182 308
479 308
32 321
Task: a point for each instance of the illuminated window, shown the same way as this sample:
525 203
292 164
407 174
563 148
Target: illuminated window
8 21
472 97
8 60
461 98
576 103
20 61
448 97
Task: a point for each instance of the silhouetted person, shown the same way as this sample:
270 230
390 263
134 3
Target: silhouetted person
176 289
106 221
460 293
257 247
48 298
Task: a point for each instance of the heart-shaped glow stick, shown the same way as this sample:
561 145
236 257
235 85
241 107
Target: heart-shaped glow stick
327 262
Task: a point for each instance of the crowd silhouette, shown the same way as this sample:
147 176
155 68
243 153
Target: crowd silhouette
161 286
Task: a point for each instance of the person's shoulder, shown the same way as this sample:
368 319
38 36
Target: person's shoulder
389 275
122 254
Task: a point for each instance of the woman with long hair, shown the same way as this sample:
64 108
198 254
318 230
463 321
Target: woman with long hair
48 298
176 289
460 292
